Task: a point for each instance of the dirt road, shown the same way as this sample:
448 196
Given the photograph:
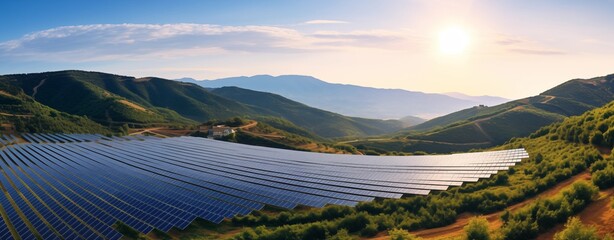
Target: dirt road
456 229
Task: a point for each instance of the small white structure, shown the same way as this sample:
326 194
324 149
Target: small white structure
220 131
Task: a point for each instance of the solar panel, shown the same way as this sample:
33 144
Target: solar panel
78 185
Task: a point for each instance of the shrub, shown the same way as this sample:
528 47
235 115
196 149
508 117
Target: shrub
543 214
597 139
370 230
477 229
400 234
574 229
604 178
355 223
342 234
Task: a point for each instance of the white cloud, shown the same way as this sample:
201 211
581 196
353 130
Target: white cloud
138 42
520 45
322 21
105 42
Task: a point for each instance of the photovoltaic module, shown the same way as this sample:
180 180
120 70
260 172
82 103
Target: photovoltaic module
77 186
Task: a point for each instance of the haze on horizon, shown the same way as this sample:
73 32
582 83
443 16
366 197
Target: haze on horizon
508 48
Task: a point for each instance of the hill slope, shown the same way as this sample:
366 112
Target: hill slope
323 123
352 100
112 99
21 113
481 126
85 94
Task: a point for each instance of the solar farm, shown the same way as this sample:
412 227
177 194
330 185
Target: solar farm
77 186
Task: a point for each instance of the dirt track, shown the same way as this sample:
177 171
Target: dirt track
598 213
456 229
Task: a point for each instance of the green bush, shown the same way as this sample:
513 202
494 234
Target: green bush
400 234
341 235
543 214
477 229
355 222
575 230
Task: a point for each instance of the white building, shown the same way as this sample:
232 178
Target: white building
220 131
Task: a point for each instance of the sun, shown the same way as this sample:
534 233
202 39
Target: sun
453 40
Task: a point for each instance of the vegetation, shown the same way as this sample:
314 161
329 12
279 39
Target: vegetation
113 100
603 173
441 208
544 214
232 122
553 159
127 231
574 229
21 113
483 127
323 123
400 234
477 229
263 134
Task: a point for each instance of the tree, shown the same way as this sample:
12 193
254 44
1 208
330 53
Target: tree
477 229
597 138
538 158
574 229
400 234
609 137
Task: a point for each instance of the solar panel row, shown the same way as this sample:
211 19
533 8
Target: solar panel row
77 186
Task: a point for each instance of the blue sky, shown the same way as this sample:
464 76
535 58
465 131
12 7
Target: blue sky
515 48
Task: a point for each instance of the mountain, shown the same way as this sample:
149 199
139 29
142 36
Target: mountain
114 100
323 123
484 100
481 126
351 100
409 121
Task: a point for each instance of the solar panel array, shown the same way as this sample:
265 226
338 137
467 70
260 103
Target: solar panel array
70 186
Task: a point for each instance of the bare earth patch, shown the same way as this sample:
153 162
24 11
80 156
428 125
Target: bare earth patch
5 93
132 105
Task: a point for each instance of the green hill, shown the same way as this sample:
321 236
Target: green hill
323 123
80 93
113 100
19 112
483 126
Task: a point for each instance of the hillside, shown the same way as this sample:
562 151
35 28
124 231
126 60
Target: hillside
20 113
482 126
115 100
84 94
276 133
323 123
351 100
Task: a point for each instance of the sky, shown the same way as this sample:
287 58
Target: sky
506 48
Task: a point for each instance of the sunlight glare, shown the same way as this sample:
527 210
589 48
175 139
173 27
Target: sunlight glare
453 41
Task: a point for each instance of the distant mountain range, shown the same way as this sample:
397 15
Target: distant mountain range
354 100
103 100
481 126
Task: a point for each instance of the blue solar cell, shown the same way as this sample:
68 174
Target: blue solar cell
79 185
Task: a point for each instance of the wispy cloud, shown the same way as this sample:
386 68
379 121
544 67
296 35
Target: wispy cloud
103 42
520 45
322 21
537 51
137 42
